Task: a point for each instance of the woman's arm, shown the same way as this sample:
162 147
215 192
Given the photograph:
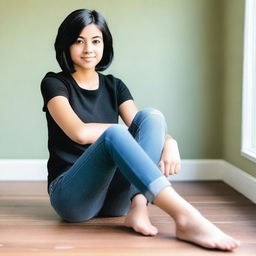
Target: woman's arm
71 124
170 159
127 111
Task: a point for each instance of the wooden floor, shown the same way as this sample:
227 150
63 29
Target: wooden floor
29 226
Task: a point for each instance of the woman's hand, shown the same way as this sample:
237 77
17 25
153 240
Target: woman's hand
170 159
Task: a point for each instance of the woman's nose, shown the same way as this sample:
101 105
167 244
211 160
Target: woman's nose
88 48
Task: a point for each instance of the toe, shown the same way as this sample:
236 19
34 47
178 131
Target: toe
210 244
142 230
234 244
230 244
222 246
154 230
228 247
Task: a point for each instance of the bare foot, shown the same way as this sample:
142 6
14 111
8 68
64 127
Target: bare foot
138 219
198 230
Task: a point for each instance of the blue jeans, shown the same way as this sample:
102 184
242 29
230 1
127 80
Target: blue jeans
120 164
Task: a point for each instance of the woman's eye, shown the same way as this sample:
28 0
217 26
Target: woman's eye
96 41
79 41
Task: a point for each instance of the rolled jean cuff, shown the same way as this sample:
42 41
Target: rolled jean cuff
155 187
133 192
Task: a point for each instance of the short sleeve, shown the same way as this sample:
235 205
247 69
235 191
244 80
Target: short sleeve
51 87
123 93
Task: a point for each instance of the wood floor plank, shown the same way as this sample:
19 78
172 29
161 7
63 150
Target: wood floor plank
29 226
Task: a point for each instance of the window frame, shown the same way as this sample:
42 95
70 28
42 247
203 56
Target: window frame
248 143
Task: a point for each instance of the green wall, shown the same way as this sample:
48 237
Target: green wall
168 52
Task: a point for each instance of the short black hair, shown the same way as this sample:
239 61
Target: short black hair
69 31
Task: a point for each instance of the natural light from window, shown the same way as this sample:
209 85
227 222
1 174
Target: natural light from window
248 149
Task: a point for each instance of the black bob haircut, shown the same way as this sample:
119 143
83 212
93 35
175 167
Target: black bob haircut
69 31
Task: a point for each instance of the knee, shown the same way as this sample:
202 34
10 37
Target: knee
151 114
73 216
116 131
72 213
76 217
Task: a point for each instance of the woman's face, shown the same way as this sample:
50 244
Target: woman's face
86 52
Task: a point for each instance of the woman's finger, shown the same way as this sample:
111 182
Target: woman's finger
161 166
167 167
177 168
172 168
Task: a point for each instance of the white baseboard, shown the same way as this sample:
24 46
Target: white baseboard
239 180
23 170
191 170
199 169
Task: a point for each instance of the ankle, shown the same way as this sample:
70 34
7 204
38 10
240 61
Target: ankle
181 222
138 200
186 218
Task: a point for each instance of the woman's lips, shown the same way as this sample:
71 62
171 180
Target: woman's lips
88 58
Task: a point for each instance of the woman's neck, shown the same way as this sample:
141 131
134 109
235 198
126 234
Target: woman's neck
87 79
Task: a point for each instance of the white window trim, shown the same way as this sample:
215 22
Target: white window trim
248 148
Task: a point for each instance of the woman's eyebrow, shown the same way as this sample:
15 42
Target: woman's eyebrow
92 37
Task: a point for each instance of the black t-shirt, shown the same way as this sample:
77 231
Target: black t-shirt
91 106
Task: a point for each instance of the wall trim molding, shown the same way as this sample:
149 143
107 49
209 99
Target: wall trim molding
191 170
23 169
239 180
